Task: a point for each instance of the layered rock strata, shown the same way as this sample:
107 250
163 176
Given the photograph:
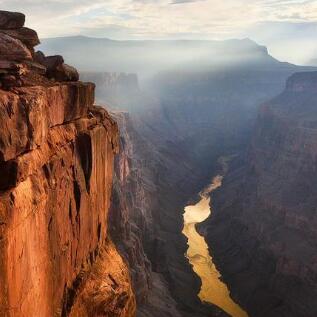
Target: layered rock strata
56 165
20 65
131 202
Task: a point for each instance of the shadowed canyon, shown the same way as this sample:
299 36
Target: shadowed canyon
155 178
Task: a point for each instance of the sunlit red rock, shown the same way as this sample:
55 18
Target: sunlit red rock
56 164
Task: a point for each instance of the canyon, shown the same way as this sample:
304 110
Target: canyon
177 155
213 290
263 231
92 197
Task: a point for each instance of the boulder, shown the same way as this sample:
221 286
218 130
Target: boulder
65 72
12 49
27 36
50 62
39 57
11 20
56 68
36 67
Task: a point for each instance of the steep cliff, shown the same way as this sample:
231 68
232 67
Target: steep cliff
56 165
263 232
132 223
131 201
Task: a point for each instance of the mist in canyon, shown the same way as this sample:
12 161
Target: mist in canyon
155 178
181 107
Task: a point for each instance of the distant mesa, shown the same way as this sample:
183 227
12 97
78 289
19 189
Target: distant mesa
152 56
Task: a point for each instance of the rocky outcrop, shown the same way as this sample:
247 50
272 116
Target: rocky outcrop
107 289
20 65
263 230
56 164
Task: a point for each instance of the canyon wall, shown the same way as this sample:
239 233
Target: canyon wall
137 200
132 223
56 165
263 231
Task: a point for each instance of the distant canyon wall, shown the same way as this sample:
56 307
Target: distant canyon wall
263 230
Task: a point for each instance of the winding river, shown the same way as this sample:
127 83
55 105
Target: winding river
213 290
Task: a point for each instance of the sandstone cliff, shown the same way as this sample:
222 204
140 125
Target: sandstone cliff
263 232
56 165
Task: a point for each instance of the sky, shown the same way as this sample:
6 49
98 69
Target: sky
287 27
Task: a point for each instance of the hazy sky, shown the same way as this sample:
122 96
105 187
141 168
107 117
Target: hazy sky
287 27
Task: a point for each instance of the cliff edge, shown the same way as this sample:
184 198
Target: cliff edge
56 165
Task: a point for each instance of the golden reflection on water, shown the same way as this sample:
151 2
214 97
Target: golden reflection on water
213 290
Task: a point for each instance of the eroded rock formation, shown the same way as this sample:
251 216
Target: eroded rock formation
56 165
130 203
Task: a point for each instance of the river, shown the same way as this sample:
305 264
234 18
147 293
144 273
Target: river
213 290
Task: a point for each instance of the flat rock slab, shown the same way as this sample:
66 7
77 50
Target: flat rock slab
11 20
12 49
27 36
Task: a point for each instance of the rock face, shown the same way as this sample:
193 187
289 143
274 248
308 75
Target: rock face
131 221
131 200
263 232
56 165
